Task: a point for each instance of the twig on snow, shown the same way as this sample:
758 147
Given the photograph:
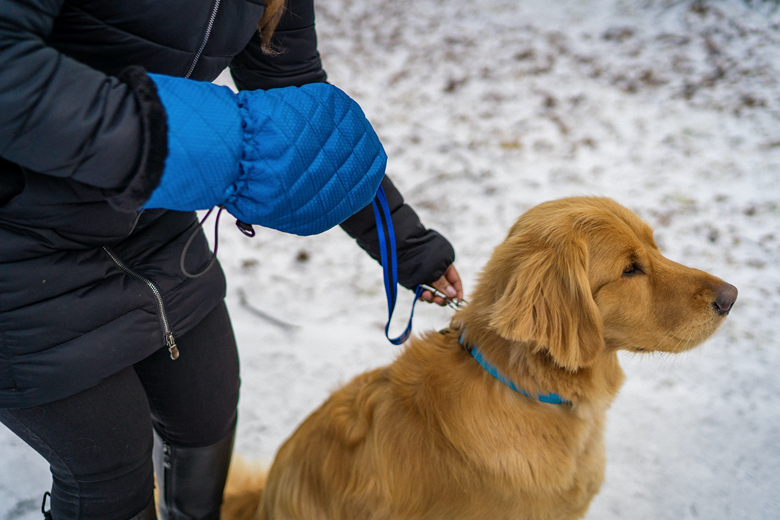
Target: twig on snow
242 299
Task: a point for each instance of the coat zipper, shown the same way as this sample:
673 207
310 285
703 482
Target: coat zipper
205 39
170 342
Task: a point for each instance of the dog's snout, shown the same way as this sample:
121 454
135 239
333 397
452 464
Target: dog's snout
725 298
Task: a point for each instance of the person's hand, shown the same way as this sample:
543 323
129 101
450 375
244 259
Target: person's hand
448 284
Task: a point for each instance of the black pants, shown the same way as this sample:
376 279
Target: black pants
99 442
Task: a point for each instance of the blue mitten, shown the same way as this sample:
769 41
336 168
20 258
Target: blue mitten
300 160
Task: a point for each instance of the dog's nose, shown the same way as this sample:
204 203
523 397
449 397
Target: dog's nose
725 298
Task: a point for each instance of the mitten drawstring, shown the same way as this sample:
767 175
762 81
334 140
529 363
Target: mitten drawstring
245 228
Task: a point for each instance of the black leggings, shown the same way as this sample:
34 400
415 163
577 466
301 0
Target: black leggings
99 442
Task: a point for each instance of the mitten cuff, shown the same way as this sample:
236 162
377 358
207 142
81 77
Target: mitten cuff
204 144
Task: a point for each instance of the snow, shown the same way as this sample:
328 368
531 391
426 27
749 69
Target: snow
486 109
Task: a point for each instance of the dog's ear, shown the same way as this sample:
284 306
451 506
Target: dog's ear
547 301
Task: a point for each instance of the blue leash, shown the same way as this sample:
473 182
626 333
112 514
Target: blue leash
386 235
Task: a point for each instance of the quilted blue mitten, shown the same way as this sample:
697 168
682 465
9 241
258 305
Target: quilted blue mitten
300 160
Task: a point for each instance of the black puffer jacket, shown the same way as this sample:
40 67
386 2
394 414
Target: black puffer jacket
88 284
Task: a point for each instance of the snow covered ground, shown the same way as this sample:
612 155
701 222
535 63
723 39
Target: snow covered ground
672 107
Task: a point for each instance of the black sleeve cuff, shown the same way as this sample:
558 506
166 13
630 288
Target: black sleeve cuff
423 254
154 147
297 62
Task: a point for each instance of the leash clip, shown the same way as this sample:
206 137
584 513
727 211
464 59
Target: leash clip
452 303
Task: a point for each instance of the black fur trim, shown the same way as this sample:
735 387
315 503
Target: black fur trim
155 141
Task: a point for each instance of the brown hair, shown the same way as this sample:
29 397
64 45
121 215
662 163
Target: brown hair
273 13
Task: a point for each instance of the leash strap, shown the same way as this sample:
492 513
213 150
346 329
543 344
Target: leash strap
386 235
387 250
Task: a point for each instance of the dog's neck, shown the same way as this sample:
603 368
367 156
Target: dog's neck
477 354
536 372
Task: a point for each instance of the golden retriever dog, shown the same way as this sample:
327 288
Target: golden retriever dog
436 435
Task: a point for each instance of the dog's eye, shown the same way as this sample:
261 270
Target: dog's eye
632 269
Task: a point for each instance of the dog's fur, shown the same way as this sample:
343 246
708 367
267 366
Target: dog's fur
435 436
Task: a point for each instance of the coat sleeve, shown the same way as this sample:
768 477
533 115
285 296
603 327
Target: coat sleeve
297 61
60 117
423 254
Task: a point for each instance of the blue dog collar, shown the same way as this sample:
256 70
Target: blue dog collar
493 371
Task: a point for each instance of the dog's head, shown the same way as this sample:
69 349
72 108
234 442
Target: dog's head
577 276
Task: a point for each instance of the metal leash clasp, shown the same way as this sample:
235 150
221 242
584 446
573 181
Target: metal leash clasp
452 303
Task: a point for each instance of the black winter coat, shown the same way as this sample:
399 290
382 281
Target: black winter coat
88 284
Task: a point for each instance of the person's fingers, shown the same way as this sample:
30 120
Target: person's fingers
452 276
449 284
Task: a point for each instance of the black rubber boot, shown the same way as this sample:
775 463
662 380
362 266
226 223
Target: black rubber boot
148 513
190 481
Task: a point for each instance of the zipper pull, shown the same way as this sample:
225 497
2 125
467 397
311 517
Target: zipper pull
171 344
